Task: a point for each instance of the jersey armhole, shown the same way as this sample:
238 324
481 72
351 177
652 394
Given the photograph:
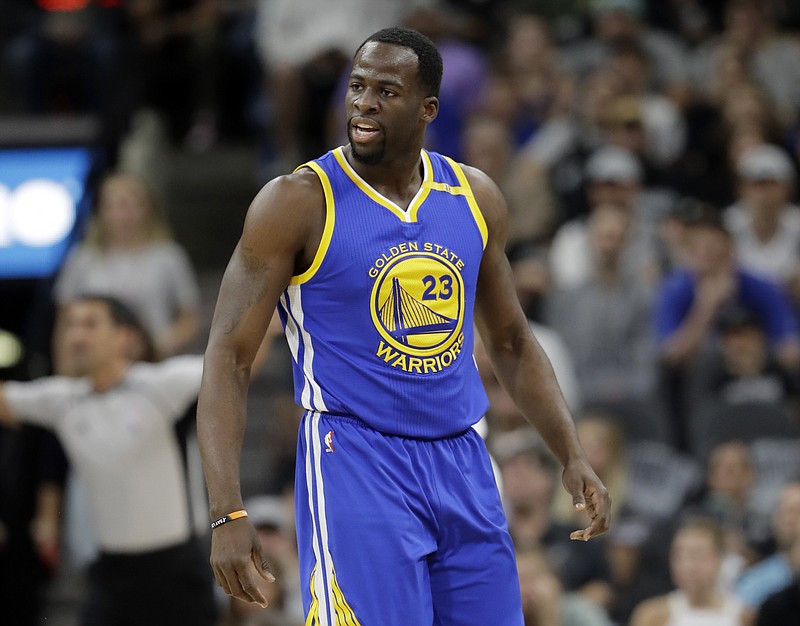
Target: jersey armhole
327 232
473 204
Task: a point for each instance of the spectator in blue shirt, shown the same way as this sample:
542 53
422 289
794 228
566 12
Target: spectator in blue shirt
690 300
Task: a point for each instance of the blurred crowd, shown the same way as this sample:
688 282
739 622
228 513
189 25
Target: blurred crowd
648 151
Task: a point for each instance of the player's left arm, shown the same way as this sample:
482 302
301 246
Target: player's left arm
522 367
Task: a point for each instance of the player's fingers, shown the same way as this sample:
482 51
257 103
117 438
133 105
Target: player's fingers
599 508
599 513
262 565
229 581
222 581
238 582
575 487
250 591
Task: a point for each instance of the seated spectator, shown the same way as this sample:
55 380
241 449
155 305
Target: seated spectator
774 572
129 252
635 574
487 145
606 319
614 176
740 372
739 118
688 306
541 87
689 301
527 88
695 561
554 159
748 372
660 120
544 601
764 224
530 478
728 497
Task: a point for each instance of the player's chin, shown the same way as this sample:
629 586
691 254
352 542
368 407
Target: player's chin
368 155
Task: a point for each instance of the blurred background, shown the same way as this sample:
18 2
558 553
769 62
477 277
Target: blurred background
648 151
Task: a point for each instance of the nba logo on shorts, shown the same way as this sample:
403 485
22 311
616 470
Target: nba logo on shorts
329 441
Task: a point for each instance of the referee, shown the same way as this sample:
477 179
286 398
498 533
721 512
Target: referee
116 422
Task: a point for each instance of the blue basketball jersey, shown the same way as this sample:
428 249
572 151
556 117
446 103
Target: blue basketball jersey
381 325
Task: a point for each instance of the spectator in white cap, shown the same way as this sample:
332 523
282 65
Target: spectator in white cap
764 223
613 176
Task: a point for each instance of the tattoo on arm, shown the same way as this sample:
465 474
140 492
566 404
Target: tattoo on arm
255 283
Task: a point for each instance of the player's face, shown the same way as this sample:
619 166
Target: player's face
92 339
387 110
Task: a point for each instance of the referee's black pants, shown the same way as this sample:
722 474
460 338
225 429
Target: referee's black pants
168 587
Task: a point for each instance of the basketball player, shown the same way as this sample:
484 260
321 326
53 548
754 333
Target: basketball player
381 256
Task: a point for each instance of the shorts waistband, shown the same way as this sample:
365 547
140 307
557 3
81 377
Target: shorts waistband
356 421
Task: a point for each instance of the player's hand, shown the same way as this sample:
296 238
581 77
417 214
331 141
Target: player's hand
590 495
237 561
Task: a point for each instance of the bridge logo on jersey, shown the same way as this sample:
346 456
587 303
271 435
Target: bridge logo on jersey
417 306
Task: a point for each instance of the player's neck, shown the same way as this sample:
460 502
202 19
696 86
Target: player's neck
398 178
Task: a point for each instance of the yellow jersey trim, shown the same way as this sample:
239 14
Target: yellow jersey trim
327 233
466 190
410 214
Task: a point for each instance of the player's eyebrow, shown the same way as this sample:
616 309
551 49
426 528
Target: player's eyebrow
384 81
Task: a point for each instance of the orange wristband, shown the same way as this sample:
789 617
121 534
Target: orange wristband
228 518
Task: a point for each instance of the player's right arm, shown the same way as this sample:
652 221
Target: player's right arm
281 232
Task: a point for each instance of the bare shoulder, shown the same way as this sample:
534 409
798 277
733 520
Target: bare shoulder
289 207
300 191
652 612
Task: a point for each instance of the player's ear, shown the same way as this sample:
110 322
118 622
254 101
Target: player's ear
430 109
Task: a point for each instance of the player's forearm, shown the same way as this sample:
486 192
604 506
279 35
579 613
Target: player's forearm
221 420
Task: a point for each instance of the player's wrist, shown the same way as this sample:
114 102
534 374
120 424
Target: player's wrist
228 517
215 511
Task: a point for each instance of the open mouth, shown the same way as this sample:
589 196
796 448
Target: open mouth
363 131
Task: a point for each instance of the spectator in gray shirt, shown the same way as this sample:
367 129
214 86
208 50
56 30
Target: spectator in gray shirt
605 320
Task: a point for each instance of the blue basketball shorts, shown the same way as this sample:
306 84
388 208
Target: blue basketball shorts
400 532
